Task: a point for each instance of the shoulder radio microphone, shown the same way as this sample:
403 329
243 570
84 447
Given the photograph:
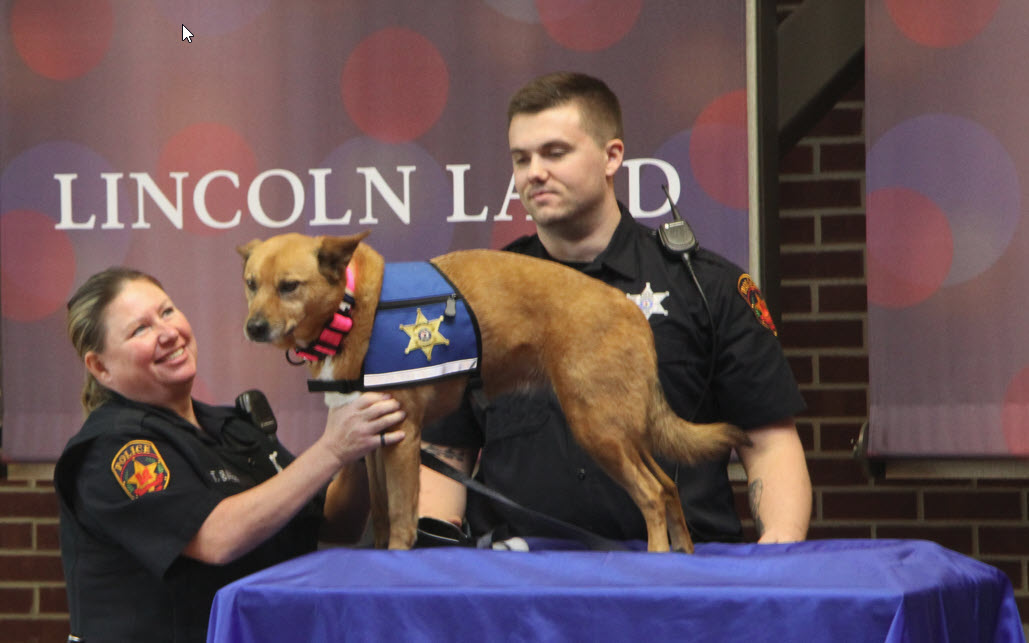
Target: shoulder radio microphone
676 236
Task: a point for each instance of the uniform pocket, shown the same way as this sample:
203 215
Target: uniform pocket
519 414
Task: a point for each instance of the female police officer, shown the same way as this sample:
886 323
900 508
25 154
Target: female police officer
165 499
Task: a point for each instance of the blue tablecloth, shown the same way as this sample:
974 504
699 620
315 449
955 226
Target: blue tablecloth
833 590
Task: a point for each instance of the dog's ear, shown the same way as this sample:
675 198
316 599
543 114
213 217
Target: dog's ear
245 249
334 253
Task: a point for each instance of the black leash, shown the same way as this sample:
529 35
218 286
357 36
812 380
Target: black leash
564 529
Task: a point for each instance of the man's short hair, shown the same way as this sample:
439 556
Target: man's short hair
599 109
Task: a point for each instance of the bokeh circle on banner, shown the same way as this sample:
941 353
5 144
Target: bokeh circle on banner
718 149
1015 414
199 149
37 266
28 183
61 39
717 226
395 85
426 233
910 247
965 171
941 23
588 25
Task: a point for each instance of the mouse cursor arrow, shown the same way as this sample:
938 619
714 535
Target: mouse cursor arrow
186 34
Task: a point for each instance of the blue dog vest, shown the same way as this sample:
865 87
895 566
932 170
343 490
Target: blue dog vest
423 330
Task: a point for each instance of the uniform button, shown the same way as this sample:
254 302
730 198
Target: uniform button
251 461
581 474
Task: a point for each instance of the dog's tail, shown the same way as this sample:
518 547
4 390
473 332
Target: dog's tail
688 442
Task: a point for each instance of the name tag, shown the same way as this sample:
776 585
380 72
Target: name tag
223 475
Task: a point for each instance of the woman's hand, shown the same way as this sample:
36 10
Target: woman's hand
359 427
241 521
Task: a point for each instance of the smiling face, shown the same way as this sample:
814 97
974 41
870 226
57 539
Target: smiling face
149 353
560 170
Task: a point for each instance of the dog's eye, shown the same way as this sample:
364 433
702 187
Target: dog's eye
286 287
251 284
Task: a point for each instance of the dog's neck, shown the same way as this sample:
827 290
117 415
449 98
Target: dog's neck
368 266
330 340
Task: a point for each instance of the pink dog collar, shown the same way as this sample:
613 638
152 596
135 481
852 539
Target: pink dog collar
330 340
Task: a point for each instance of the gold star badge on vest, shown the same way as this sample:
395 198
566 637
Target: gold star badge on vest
650 301
424 334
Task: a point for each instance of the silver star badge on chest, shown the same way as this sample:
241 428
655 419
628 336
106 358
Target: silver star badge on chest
650 301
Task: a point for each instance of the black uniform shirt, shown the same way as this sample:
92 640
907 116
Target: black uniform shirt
135 484
528 452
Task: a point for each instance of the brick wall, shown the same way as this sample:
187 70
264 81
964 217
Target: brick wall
33 607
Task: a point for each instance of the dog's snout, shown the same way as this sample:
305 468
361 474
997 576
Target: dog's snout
257 329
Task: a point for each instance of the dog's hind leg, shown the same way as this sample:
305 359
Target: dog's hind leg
612 439
678 532
629 470
652 500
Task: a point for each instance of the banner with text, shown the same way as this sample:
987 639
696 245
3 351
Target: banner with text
161 134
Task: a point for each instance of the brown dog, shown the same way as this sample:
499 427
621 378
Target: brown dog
539 321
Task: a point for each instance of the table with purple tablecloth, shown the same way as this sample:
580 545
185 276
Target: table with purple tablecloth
829 590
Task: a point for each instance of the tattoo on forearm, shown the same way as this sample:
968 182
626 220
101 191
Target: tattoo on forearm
754 498
453 455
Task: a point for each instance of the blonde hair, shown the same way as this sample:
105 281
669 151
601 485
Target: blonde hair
86 322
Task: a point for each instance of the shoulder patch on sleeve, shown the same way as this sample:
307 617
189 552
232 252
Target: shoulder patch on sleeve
752 295
140 469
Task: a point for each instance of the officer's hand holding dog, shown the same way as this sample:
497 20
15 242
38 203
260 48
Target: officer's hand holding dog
356 429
